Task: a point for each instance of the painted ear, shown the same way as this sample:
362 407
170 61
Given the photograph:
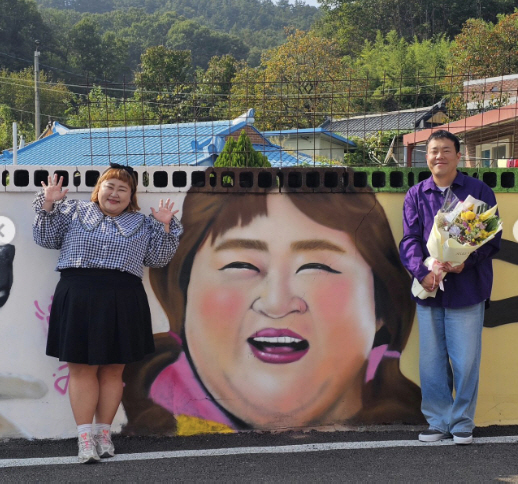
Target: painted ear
6 271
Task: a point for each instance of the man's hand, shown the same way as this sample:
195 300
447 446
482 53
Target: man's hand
447 267
430 282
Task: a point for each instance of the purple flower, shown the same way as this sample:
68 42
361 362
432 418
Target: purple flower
455 231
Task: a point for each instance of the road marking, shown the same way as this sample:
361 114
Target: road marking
282 449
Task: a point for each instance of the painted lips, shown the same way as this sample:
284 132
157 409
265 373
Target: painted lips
278 346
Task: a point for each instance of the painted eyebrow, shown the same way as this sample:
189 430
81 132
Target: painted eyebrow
243 244
316 244
299 246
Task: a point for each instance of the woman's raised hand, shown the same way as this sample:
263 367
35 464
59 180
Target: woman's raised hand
165 213
53 191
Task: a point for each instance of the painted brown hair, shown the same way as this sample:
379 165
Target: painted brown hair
359 214
389 397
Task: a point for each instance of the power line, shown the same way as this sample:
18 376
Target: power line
51 67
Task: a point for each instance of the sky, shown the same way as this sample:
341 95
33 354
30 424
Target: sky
314 3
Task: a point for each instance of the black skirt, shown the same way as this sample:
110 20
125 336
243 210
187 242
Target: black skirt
99 317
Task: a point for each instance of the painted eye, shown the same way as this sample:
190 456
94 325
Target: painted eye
240 265
317 266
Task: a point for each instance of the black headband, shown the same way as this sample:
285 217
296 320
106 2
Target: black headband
127 168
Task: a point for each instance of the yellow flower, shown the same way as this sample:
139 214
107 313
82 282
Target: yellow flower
468 215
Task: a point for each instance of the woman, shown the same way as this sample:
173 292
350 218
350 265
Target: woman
100 318
286 310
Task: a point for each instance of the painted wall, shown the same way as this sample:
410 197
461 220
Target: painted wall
287 336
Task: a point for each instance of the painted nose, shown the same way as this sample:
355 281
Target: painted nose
278 300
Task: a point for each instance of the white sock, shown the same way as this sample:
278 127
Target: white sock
85 428
100 427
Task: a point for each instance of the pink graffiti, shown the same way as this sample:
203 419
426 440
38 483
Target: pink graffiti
61 383
43 315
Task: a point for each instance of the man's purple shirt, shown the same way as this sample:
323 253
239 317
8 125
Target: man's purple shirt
422 202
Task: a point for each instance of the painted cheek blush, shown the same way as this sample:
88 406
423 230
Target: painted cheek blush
226 304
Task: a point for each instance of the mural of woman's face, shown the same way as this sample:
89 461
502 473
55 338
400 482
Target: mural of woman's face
280 319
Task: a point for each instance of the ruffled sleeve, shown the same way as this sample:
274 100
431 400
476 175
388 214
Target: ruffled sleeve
162 245
49 228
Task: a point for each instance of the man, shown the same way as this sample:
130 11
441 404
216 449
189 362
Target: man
450 324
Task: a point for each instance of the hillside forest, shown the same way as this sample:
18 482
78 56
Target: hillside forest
116 62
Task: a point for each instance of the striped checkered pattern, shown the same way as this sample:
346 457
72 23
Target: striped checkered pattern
89 239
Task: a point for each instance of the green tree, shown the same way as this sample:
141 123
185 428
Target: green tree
297 84
94 6
98 110
484 49
20 26
204 43
241 154
351 22
7 118
140 30
56 54
401 75
96 54
17 100
85 44
212 98
481 50
162 80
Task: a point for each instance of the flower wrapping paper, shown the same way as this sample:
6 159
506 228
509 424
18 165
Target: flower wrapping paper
443 246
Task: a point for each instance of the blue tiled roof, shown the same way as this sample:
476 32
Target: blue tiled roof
311 132
196 144
279 158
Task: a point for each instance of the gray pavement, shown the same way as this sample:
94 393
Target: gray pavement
374 454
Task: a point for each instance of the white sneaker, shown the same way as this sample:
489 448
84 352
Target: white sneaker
462 438
87 453
104 444
432 435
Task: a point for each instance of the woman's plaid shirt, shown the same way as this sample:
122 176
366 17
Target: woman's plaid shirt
89 239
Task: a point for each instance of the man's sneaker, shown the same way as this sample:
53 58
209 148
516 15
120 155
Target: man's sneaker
462 437
104 444
432 435
87 453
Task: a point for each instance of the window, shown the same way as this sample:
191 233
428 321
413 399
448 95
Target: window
494 154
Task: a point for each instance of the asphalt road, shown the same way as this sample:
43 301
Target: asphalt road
381 454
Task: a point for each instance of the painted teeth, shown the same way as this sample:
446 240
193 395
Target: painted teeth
279 339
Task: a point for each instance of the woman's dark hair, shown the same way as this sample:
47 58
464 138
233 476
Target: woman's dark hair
443 134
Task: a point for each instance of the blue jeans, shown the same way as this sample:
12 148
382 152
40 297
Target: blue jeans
450 342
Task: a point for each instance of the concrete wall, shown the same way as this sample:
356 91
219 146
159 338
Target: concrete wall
339 363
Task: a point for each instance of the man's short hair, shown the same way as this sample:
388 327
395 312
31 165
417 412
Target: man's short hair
441 134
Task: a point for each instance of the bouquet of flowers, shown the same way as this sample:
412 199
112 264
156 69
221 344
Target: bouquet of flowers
459 229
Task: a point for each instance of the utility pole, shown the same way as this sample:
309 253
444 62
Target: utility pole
36 90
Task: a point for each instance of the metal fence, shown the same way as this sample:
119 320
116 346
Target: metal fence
309 117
